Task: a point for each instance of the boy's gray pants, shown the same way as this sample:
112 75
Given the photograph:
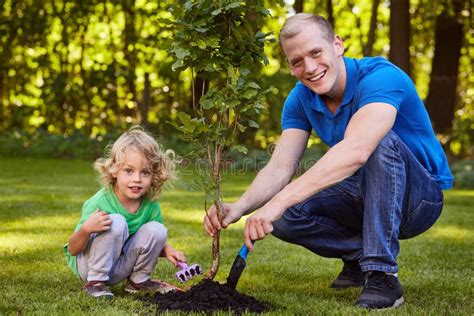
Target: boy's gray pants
111 256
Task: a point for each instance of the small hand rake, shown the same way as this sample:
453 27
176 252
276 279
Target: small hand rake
187 272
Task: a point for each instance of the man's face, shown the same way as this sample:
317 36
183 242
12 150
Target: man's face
315 60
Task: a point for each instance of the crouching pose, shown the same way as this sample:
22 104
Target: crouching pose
380 181
120 234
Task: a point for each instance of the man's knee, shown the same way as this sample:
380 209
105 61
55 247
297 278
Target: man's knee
387 149
387 143
280 229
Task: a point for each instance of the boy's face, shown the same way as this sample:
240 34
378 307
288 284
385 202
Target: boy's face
315 60
134 177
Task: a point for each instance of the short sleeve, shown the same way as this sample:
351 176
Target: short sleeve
88 208
384 84
293 114
156 212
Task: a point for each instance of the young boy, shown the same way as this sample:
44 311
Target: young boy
120 234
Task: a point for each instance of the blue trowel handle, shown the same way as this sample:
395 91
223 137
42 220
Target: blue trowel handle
244 251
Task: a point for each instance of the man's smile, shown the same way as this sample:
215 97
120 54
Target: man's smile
317 76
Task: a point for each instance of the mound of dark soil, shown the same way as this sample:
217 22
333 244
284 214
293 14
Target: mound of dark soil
209 296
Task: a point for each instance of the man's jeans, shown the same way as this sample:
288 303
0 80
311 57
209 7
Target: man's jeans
362 218
112 256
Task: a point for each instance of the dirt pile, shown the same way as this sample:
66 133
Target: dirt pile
209 296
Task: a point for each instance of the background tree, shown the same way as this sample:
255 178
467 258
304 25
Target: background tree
442 96
400 34
373 27
86 70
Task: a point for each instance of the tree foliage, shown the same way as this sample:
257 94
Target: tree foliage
69 66
219 41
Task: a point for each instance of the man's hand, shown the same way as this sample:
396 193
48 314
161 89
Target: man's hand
173 255
260 224
212 224
99 221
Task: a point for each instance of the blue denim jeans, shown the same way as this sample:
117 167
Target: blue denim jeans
362 218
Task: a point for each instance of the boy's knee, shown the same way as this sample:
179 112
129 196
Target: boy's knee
154 230
119 224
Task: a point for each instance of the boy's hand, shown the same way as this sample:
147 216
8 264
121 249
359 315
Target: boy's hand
173 255
99 221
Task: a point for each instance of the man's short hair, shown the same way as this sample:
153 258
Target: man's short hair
297 22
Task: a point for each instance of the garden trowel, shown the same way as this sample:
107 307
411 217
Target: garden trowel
238 267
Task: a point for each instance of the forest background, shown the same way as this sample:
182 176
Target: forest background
75 74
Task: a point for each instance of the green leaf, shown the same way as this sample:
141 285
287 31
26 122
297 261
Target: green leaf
253 124
253 84
233 5
216 12
201 44
249 93
177 64
244 71
181 52
242 149
241 127
188 5
207 103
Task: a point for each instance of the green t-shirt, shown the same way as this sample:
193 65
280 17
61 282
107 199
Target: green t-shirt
106 200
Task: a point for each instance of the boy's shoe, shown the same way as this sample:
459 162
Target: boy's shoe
380 290
97 289
350 276
149 286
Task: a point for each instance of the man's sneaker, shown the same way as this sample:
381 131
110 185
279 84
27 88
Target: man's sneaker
97 289
350 276
149 286
380 290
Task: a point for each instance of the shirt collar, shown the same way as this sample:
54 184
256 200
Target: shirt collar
351 78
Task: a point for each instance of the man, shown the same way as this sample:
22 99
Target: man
379 182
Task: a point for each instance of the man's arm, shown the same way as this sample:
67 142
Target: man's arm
278 172
363 134
268 182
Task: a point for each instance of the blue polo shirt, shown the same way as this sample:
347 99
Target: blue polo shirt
369 80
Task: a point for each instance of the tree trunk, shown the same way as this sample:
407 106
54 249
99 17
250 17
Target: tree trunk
62 101
330 11
400 34
5 58
216 162
112 86
145 101
199 88
216 256
3 104
442 94
130 54
86 81
373 26
298 6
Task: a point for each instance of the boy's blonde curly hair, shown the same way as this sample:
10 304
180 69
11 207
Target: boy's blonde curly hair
161 162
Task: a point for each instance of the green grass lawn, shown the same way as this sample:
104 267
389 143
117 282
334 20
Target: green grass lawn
40 203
